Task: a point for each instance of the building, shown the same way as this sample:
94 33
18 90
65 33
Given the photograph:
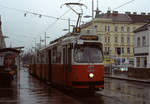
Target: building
142 46
2 41
116 30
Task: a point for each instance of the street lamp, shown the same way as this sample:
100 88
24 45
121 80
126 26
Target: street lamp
87 16
109 52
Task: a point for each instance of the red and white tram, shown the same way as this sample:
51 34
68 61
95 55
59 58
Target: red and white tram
74 60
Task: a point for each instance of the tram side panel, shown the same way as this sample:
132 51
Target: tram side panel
57 74
43 71
47 72
59 67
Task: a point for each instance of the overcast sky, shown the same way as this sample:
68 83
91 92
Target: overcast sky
24 30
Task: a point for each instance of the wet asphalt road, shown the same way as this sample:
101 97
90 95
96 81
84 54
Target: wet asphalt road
32 91
8 92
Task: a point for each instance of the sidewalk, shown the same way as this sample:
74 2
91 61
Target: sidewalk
125 77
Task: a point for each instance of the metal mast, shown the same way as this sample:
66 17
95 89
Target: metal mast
92 9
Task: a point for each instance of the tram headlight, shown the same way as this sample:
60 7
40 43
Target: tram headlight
91 75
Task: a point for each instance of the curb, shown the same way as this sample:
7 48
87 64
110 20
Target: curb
128 79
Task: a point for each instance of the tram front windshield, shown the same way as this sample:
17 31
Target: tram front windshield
88 54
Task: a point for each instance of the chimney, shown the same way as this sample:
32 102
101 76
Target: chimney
115 12
142 13
108 12
134 13
127 12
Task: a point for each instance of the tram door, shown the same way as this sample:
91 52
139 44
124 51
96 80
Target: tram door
50 69
65 62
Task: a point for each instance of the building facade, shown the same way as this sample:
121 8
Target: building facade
116 31
142 47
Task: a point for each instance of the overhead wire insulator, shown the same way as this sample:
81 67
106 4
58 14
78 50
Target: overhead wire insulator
25 14
40 15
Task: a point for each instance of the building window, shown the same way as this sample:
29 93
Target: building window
108 50
138 42
105 49
116 29
122 39
143 41
122 29
128 50
116 39
118 50
128 40
122 49
107 28
96 27
105 39
108 39
128 29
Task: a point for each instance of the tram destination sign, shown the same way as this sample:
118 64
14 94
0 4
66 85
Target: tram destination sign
89 37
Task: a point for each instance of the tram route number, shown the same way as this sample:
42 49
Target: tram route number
91 69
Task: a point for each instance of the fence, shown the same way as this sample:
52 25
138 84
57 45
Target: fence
139 72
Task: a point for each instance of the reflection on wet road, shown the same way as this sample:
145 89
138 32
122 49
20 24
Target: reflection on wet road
127 92
32 91
8 92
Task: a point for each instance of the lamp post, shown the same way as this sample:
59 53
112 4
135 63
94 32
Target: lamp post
46 37
2 42
110 69
34 43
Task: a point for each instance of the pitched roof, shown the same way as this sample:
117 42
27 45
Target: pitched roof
86 25
139 18
9 49
142 28
116 17
126 17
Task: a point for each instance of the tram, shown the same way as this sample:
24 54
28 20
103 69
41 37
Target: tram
74 60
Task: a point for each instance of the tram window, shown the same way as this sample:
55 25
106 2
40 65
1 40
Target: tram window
88 54
38 58
33 60
56 56
42 58
47 58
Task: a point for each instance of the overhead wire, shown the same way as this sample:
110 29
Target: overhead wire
34 13
124 4
38 14
52 24
41 15
58 19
